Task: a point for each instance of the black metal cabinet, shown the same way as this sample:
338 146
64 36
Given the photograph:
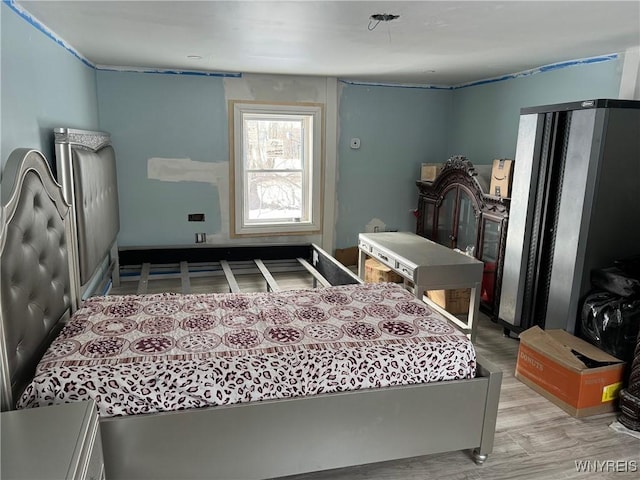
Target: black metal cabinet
455 211
575 207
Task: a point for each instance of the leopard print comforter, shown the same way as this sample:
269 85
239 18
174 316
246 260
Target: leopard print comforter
150 353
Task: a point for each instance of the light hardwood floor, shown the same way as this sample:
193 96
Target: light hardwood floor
534 438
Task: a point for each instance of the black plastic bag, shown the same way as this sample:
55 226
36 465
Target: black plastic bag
616 279
630 266
611 323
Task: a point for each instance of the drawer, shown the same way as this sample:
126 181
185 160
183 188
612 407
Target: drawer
383 257
365 246
404 270
95 469
92 458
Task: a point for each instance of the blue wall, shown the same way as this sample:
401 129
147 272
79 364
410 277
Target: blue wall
399 128
43 87
175 116
167 116
485 117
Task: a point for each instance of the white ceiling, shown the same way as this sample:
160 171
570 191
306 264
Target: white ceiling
432 43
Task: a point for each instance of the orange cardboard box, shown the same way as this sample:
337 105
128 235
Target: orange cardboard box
453 301
347 256
551 363
430 171
376 272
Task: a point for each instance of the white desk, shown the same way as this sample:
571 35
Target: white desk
429 266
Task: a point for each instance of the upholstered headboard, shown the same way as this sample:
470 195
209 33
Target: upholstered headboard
36 293
86 165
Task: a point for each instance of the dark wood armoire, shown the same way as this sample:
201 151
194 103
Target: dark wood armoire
455 210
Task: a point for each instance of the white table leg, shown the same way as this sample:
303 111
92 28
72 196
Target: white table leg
474 304
362 256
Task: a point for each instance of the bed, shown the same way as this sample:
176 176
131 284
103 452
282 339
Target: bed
248 439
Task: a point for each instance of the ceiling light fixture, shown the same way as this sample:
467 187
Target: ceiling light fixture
376 18
194 57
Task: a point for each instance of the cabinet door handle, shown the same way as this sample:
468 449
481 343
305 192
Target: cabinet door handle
452 238
383 257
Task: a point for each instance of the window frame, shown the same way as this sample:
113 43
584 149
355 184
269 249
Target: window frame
238 173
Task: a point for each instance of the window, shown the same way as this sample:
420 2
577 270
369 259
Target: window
277 168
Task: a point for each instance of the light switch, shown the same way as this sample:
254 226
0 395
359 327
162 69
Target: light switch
355 143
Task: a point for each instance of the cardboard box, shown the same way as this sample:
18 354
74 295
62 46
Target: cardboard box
376 272
501 177
453 301
430 171
347 256
554 363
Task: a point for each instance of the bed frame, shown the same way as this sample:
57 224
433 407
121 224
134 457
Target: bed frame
86 169
245 441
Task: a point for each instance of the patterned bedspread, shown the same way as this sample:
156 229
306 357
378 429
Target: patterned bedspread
141 354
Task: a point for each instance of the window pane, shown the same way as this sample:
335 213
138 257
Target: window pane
274 197
467 224
272 144
444 232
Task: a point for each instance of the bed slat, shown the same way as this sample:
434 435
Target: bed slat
143 284
115 266
272 285
231 280
184 277
317 277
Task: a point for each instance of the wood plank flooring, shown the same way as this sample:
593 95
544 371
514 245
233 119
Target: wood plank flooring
535 440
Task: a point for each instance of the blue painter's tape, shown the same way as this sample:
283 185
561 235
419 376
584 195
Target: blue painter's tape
485 81
545 68
526 73
25 15
42 28
169 72
397 85
585 61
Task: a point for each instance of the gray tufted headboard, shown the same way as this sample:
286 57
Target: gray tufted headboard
36 294
86 165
